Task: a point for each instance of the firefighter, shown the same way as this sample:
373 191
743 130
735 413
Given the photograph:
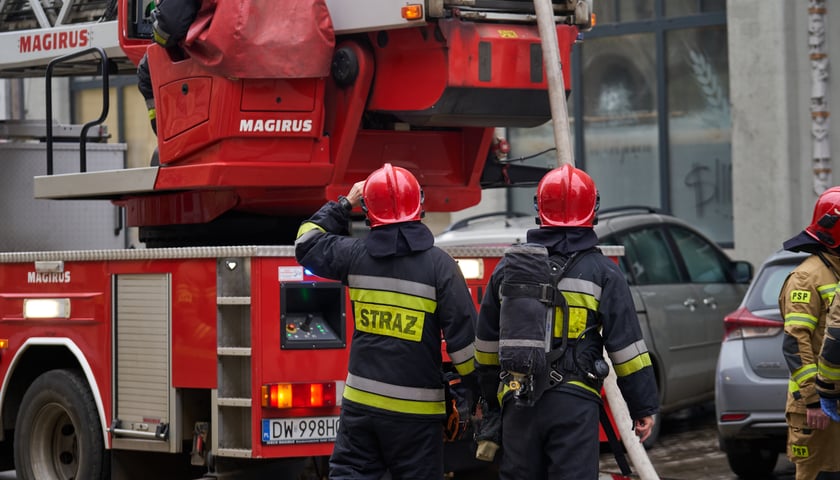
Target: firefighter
804 301
171 21
404 292
554 433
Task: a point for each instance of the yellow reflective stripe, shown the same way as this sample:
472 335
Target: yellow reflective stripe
502 392
829 373
485 358
632 366
392 298
160 39
792 386
152 114
394 404
466 367
585 387
803 373
801 319
581 300
306 227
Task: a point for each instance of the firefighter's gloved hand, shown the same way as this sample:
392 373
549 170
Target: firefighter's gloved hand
830 407
458 408
488 435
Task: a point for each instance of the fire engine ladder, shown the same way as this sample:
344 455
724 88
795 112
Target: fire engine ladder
231 401
33 32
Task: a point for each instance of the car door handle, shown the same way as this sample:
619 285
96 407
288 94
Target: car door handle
690 303
710 302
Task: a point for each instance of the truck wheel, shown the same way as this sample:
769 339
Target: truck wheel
57 434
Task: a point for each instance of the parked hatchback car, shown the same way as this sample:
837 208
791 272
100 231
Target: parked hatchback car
752 376
681 282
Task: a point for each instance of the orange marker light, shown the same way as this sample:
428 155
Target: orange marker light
4 343
412 12
288 395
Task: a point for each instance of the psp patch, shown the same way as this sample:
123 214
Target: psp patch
800 451
800 296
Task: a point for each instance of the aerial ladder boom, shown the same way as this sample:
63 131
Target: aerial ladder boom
422 92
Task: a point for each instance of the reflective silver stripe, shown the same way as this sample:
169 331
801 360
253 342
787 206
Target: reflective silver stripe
463 354
522 343
392 285
306 236
629 352
486 346
580 286
395 391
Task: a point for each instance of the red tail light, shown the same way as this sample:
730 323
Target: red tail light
744 324
294 395
733 417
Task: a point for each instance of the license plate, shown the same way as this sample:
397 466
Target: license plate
276 431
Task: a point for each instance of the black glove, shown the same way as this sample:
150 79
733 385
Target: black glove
459 407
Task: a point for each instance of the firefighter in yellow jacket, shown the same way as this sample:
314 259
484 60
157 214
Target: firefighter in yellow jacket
804 301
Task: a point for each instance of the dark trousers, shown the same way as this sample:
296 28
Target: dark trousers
369 445
555 439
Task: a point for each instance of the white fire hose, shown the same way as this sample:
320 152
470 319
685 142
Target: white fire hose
635 450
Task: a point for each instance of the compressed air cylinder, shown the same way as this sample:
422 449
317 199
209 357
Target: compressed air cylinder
524 309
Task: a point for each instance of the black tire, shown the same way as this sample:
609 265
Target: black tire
751 462
58 435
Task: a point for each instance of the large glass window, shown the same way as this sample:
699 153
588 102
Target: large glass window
651 118
620 119
699 129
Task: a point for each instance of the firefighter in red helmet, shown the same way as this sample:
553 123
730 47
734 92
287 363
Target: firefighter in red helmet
555 433
804 302
404 292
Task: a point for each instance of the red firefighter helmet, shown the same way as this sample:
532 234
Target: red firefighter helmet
566 197
825 224
392 195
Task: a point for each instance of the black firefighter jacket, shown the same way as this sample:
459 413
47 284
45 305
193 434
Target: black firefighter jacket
598 297
404 293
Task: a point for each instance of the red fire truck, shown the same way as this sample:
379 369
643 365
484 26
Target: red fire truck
211 351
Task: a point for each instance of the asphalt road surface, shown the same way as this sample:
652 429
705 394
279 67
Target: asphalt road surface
688 450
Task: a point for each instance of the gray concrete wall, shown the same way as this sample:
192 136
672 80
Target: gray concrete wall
770 87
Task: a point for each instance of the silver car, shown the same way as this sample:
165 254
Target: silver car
752 377
681 284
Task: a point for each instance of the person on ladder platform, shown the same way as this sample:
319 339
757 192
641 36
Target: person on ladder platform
171 21
549 398
804 302
404 293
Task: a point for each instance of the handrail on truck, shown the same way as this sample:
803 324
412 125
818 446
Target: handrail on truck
104 67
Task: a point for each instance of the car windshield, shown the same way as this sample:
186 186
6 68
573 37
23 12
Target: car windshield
765 293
